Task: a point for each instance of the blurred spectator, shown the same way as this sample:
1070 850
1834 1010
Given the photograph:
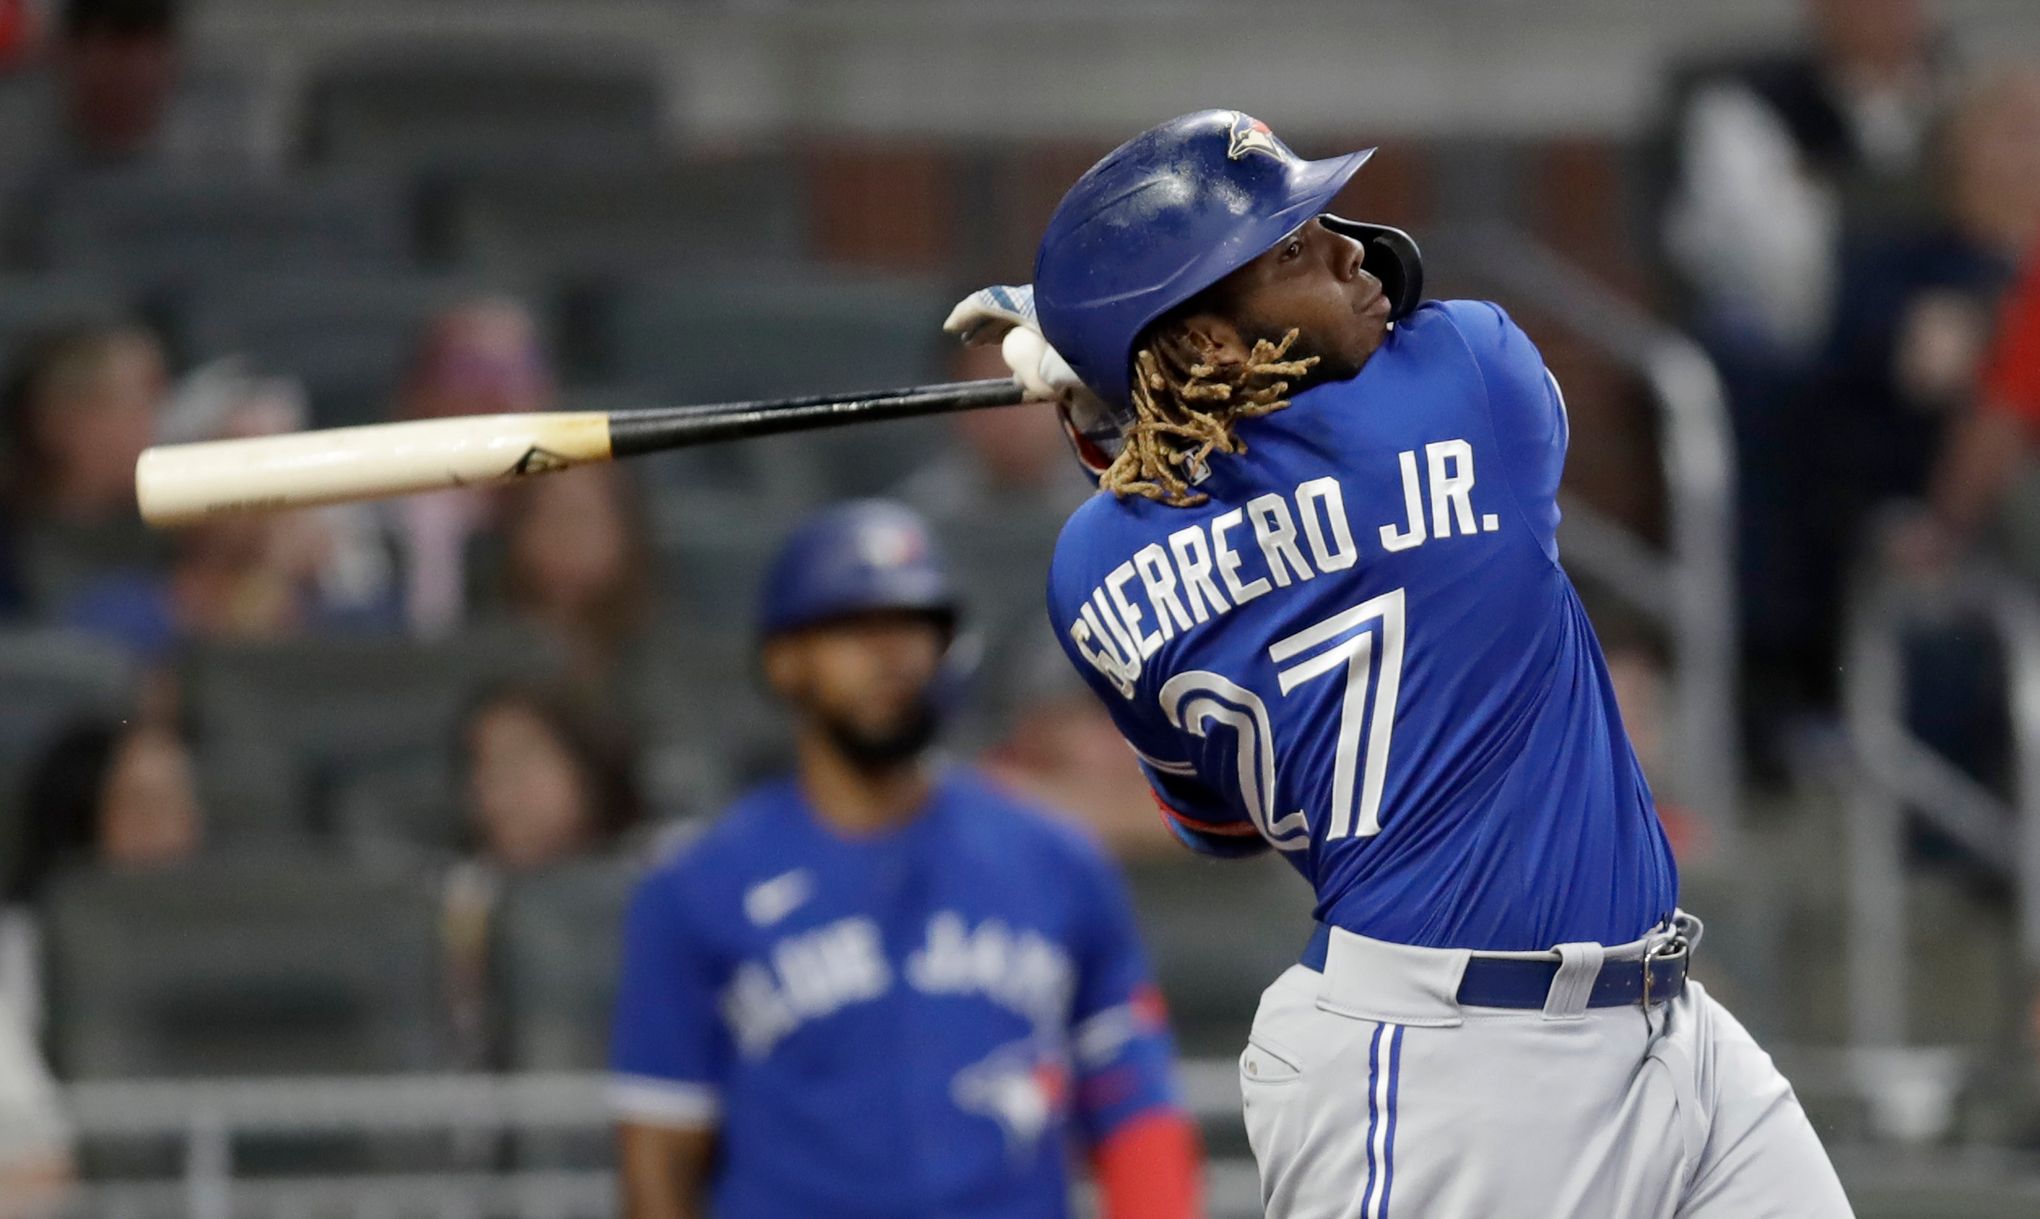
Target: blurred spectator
114 92
111 795
17 30
35 1138
241 578
1992 450
117 91
483 357
118 63
1772 158
546 779
1061 748
1772 154
82 402
577 564
1911 327
104 795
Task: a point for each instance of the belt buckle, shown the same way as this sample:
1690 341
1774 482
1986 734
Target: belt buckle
1675 946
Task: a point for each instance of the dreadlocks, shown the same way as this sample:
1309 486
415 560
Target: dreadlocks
1185 409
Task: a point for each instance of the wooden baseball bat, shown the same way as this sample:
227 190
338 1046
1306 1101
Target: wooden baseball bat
181 484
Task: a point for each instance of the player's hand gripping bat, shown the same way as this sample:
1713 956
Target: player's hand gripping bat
184 483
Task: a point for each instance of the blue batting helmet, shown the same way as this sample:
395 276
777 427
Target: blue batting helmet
866 556
1170 213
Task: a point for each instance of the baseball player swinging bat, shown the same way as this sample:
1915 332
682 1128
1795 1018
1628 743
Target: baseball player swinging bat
185 483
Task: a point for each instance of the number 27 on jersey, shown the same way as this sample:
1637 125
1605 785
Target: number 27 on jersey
1347 642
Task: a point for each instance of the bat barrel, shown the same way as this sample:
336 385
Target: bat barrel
182 484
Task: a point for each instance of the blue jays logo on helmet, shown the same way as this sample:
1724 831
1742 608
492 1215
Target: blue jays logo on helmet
865 556
1250 134
1170 213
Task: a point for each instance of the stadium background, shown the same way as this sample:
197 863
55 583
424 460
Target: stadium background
313 832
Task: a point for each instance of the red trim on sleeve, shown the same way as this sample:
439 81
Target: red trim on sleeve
1151 1168
1228 829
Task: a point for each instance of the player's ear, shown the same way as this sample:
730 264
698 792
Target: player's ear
1215 338
780 662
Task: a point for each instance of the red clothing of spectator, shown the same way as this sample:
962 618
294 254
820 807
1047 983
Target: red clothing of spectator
2011 376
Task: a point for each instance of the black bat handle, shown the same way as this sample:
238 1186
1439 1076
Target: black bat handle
650 431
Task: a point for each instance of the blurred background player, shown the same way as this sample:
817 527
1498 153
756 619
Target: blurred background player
882 987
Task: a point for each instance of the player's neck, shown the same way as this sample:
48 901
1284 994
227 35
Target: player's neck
855 799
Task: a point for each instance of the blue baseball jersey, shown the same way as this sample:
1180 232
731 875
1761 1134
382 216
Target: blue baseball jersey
920 1022
1363 652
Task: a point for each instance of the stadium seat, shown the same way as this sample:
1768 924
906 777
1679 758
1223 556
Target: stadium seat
555 949
872 458
408 807
51 679
319 711
709 340
1219 932
583 214
716 569
261 965
30 304
153 228
420 102
346 336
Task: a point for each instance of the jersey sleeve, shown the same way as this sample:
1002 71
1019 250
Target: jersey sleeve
1119 1036
668 1048
1197 816
1525 408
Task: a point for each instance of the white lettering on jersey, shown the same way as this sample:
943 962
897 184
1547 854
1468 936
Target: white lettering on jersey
1229 561
1449 470
1413 533
1275 531
1158 579
1320 498
808 976
1193 561
1451 464
1021 971
1129 613
820 972
1093 645
1202 575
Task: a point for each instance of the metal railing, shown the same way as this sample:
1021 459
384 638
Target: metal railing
1688 589
1891 773
205 1120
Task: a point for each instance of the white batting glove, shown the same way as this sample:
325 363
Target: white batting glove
1004 314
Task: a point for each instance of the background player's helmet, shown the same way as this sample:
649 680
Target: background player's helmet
866 556
1170 213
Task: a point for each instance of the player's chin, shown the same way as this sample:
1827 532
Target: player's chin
883 741
1368 328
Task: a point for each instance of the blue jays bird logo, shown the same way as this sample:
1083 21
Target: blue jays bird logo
1250 134
891 546
1019 1086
